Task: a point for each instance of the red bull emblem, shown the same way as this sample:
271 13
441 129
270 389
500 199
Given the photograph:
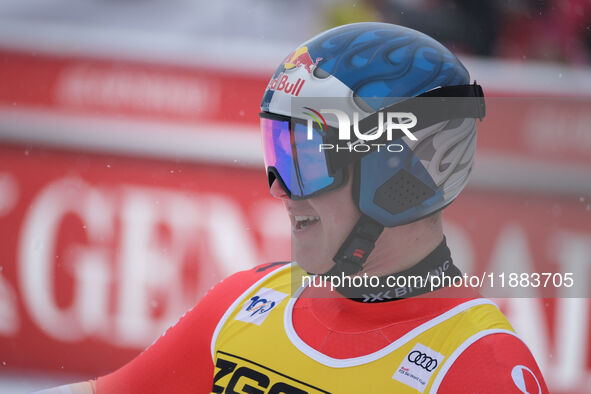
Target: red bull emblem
300 58
283 84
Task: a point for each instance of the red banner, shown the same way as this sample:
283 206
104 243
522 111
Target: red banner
545 129
101 252
107 87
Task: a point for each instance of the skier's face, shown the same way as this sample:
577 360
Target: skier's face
319 225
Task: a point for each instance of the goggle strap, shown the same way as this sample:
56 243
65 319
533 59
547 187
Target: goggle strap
448 102
354 251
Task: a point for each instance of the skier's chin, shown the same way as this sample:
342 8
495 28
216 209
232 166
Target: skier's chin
311 256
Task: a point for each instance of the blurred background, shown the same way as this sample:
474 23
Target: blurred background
131 176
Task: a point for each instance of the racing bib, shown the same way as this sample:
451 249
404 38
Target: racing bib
256 349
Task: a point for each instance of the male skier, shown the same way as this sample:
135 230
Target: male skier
364 201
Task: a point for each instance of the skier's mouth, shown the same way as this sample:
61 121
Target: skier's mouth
301 223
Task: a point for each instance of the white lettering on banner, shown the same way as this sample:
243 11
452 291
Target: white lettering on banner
37 244
147 263
146 266
212 223
544 125
573 252
116 88
562 359
9 319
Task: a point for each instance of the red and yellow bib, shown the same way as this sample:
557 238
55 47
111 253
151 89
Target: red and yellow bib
256 349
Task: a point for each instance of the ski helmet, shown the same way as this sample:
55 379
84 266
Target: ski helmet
369 69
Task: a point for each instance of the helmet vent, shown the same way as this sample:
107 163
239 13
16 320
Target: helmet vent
401 192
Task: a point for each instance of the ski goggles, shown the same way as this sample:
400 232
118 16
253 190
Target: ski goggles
293 156
294 159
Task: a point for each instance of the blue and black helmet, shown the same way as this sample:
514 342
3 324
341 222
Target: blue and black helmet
369 71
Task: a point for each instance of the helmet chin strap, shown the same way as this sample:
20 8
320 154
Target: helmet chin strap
354 251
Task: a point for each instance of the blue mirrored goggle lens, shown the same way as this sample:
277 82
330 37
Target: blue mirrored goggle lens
297 159
311 171
277 147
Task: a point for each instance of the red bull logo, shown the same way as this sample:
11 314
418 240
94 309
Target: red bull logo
283 84
301 58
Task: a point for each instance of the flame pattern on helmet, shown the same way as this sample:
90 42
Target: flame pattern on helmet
380 60
377 65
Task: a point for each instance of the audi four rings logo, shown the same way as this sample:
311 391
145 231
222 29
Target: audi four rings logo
422 360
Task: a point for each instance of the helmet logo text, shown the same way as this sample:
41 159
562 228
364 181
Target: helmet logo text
283 84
